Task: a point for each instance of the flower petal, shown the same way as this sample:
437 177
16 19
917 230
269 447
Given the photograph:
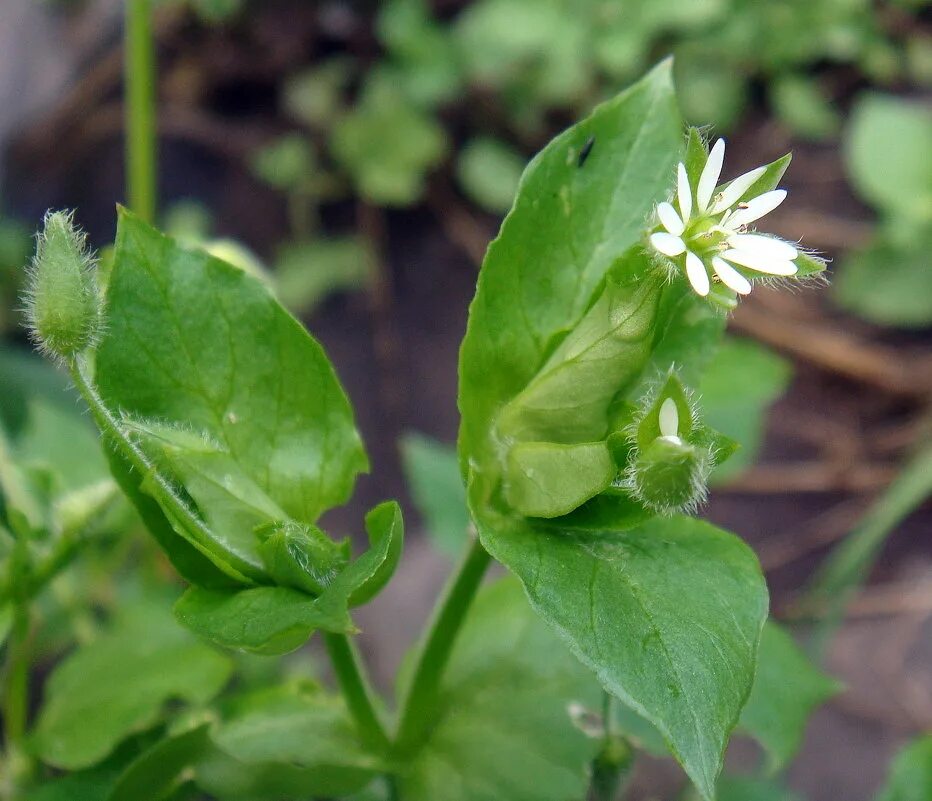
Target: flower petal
670 219
710 175
669 418
696 273
757 207
761 264
732 193
667 244
730 276
768 247
684 193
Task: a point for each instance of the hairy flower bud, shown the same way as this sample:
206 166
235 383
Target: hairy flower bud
62 297
670 454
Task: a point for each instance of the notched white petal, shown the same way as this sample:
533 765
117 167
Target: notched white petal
669 418
696 273
710 175
684 193
667 244
761 264
730 276
763 246
757 207
670 219
732 193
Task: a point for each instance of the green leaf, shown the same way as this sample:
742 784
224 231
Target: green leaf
307 273
537 482
489 172
888 155
60 441
787 688
286 163
216 11
119 683
745 788
229 501
224 777
533 53
387 144
802 105
712 90
569 224
889 282
194 342
434 480
424 60
302 728
569 399
668 615
503 724
315 96
276 620
261 620
910 776
737 389
154 774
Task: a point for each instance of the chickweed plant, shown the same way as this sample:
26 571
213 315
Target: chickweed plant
625 622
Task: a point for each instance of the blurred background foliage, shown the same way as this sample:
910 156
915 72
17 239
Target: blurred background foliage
358 157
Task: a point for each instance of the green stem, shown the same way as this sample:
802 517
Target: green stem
16 679
358 693
139 72
419 704
846 567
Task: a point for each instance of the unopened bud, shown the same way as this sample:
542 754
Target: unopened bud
670 458
62 298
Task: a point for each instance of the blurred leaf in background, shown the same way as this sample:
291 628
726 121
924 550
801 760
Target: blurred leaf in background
434 480
118 684
314 96
910 776
15 250
308 272
489 171
739 385
889 160
423 58
387 144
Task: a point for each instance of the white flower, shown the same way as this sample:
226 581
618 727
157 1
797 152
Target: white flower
709 233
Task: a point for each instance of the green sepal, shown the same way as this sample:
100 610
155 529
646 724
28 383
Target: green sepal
809 265
649 428
300 555
770 179
697 153
670 476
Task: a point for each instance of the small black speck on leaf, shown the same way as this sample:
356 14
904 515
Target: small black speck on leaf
586 150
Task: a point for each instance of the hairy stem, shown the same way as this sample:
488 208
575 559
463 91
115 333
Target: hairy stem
357 691
139 74
160 488
420 702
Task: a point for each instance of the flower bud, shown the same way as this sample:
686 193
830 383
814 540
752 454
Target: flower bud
62 298
669 476
670 457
